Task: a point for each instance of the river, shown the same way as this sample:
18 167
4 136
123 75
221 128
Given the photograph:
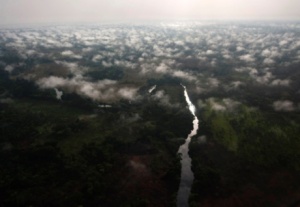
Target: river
187 176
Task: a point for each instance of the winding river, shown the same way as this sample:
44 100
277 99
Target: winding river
187 176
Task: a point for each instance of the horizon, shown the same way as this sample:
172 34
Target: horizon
33 12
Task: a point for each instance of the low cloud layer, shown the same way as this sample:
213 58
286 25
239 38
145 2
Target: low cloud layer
209 56
284 105
104 90
222 105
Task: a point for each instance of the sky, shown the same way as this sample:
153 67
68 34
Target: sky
63 11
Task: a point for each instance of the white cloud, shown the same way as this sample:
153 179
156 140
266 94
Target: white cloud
9 68
128 93
230 104
285 105
247 58
217 106
184 75
225 104
104 90
283 42
202 139
213 82
266 53
107 64
236 84
58 94
97 58
264 79
210 52
69 53
268 61
163 98
162 68
279 82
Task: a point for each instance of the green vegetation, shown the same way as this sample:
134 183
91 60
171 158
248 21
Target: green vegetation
113 73
60 153
243 148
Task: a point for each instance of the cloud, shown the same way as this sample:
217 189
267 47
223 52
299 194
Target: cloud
202 139
231 105
97 58
225 104
252 71
9 68
73 67
106 64
217 106
52 82
213 82
210 52
70 54
239 48
283 42
236 84
162 68
279 82
285 105
184 75
163 98
58 94
266 53
268 61
138 166
190 51
104 90
128 93
265 78
247 58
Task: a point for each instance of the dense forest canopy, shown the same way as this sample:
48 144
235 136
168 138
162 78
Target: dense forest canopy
79 125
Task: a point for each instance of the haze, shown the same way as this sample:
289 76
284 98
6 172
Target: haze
58 11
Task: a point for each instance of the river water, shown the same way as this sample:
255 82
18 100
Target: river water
187 176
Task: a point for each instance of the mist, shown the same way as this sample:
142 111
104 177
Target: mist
35 12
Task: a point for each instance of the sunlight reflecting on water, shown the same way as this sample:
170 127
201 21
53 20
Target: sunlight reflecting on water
187 176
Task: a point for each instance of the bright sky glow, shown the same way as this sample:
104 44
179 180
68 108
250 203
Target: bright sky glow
63 11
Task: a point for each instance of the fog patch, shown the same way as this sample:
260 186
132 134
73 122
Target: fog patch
268 61
97 58
221 105
247 58
285 105
213 82
265 78
278 82
132 118
162 68
128 93
9 68
70 54
202 139
163 99
104 106
104 90
236 84
58 94
184 75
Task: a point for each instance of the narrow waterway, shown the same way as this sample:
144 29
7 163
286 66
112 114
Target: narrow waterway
187 176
